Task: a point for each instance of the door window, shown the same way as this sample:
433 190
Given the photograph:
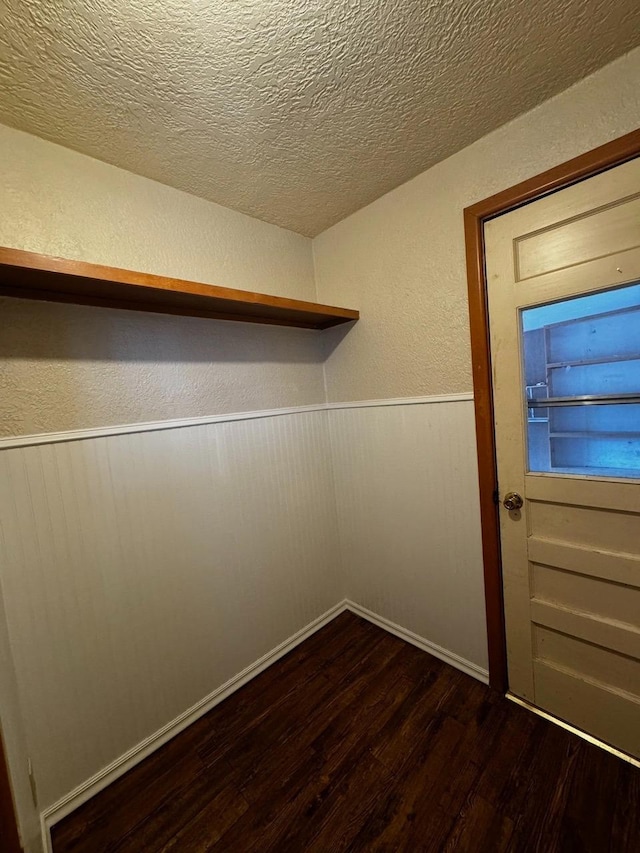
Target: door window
582 384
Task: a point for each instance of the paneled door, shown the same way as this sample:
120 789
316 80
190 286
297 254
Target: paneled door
563 277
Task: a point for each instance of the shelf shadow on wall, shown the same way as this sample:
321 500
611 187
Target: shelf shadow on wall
56 332
69 367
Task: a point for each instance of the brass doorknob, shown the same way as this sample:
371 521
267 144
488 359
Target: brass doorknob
512 500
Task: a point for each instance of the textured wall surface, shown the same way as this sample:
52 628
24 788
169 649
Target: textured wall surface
294 111
67 367
409 520
401 259
140 572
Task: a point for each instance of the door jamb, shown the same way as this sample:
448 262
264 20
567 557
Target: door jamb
578 169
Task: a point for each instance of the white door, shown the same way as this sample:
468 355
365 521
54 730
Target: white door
563 278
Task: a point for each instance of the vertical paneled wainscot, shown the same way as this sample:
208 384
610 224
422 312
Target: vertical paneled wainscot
147 571
140 572
409 520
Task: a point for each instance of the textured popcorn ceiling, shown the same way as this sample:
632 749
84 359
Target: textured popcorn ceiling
293 111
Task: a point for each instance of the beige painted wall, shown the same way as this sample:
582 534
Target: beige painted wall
66 367
401 259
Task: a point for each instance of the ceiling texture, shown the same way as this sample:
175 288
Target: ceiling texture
297 112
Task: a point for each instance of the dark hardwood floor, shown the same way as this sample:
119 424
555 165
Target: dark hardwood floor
357 741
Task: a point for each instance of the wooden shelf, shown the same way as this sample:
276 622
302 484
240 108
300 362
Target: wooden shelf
586 362
595 434
32 276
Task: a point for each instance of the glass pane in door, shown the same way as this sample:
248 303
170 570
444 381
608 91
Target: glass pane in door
582 384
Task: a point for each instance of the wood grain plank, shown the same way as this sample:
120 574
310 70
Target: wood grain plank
357 741
28 275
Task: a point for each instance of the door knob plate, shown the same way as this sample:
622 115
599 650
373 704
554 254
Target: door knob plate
512 501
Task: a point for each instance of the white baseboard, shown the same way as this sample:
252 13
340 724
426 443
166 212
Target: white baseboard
138 753
455 660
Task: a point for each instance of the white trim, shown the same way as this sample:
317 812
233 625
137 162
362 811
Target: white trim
445 655
401 401
589 738
138 753
179 423
151 426
134 756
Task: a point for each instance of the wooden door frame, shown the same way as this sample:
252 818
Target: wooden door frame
585 166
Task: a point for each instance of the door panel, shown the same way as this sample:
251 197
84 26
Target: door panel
570 281
618 567
584 659
617 636
597 234
591 595
563 279
608 714
596 528
579 491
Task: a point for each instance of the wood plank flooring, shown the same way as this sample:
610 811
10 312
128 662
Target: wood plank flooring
357 741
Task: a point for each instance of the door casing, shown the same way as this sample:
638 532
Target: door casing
578 169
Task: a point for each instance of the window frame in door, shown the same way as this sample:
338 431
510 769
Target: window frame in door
580 168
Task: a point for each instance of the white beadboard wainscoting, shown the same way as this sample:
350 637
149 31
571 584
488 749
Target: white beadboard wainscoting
409 521
148 571
141 572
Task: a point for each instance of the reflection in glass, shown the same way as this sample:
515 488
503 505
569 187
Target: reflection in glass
584 347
